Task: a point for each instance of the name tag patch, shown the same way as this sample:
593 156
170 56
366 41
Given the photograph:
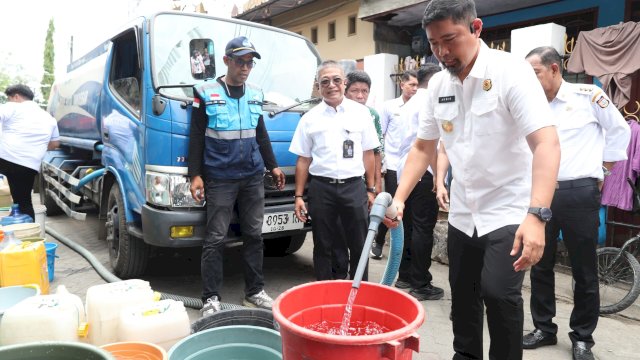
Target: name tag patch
216 102
446 99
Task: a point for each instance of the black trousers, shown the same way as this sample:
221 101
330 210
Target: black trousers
21 182
222 196
390 186
334 208
481 274
575 212
420 217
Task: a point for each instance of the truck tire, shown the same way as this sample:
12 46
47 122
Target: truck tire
46 200
283 246
128 255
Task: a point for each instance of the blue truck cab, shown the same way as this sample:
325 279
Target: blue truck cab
124 112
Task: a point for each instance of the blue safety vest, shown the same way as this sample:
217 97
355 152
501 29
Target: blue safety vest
231 150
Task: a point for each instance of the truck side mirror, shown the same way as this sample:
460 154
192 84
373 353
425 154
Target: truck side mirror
158 105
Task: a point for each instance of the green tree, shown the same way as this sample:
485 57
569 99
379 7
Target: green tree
49 55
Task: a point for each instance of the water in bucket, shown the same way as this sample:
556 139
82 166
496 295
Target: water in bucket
303 305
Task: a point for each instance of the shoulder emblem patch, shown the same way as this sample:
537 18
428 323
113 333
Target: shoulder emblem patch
602 102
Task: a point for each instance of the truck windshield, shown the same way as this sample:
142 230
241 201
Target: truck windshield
285 72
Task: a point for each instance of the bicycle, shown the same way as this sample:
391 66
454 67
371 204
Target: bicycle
619 272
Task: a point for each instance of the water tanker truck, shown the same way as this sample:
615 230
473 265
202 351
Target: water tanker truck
124 112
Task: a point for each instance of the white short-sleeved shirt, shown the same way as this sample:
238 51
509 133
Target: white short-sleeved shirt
583 112
483 123
26 133
410 114
392 130
321 134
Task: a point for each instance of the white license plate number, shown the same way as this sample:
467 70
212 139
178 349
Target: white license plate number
281 221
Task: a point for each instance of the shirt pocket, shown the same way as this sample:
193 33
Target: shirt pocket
218 116
484 117
353 133
256 111
446 116
576 120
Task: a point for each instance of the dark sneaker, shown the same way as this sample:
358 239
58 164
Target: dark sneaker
581 351
260 300
376 251
538 338
428 292
211 306
401 284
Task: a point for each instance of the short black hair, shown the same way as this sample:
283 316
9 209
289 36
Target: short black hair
548 55
459 11
408 74
20 89
426 71
358 76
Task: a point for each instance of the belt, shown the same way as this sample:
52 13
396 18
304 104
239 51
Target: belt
568 184
329 180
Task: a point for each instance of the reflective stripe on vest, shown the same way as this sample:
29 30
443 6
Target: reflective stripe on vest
231 135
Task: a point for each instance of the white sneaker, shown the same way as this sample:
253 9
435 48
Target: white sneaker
260 300
211 307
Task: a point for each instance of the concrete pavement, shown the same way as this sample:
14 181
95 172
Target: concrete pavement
617 336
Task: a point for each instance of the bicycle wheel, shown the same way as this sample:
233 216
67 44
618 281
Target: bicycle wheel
619 282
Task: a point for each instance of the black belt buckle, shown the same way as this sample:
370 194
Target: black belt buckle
336 181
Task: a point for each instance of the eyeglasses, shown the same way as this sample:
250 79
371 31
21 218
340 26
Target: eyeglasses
240 63
336 81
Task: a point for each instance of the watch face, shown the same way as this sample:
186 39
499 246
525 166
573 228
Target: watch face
545 214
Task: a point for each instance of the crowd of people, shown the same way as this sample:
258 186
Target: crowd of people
480 123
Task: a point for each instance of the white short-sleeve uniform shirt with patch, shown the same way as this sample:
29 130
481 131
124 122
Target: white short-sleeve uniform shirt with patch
583 111
321 134
483 123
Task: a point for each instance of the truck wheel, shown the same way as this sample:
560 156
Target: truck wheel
283 246
128 255
46 200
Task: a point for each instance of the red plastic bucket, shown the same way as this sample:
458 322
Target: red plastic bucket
325 300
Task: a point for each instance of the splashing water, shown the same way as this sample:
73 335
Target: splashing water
355 328
346 318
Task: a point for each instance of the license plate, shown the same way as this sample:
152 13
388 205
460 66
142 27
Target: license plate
280 221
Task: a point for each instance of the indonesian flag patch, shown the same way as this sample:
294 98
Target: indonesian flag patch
213 96
196 103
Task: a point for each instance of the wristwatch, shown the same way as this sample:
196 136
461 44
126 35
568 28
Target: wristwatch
543 213
372 189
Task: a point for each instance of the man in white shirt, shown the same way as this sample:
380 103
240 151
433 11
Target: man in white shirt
27 133
421 211
582 112
334 142
491 115
393 130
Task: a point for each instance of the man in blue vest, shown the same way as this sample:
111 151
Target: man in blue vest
229 148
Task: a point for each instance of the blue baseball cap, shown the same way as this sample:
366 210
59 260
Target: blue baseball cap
241 46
